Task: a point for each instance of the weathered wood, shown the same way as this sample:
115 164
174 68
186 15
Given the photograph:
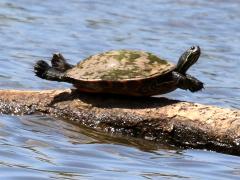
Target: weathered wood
182 123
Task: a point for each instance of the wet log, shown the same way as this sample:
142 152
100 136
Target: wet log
160 119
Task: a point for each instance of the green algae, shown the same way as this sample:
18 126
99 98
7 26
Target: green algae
117 74
130 56
154 59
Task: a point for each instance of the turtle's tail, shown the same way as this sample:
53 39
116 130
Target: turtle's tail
60 63
40 69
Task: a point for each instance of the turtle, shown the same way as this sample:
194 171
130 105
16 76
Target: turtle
124 72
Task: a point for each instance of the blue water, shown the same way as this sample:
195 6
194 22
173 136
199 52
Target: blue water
42 147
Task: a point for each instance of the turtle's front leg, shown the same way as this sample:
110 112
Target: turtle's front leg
59 63
188 82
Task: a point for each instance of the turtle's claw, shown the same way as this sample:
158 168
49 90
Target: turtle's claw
40 68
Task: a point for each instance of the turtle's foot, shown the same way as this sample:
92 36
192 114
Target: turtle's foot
59 62
194 84
197 86
41 67
188 82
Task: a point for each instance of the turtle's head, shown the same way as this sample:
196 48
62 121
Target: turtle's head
187 59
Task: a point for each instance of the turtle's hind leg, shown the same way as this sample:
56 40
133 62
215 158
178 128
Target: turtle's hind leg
44 71
60 63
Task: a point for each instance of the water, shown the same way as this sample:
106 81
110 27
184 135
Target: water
39 147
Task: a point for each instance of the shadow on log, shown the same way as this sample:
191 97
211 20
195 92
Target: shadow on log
180 123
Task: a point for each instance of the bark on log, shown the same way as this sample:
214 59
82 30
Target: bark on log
177 122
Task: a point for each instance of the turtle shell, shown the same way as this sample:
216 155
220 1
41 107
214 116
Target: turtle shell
120 65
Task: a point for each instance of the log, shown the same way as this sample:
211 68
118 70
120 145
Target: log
180 123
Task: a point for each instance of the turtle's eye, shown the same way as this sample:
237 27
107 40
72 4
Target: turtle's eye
192 48
195 49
